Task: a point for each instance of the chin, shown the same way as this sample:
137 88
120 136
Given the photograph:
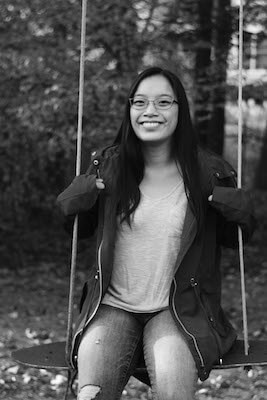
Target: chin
148 137
154 140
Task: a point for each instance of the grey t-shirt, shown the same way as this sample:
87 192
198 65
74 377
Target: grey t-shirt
145 254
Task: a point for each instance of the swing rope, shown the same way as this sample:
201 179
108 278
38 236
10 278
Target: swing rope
78 170
239 173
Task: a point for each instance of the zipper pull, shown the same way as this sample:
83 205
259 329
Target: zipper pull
204 372
193 282
98 174
96 164
194 285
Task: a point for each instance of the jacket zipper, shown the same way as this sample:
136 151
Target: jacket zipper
97 276
184 328
194 284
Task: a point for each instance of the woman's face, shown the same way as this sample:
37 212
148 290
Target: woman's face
154 124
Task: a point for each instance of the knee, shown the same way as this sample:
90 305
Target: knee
89 392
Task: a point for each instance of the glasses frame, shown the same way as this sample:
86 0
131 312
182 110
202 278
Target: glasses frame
152 101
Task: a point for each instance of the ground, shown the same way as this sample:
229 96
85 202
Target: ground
33 308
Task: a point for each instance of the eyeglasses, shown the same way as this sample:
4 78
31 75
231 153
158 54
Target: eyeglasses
160 103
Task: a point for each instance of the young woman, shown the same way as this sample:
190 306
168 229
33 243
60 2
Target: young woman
162 207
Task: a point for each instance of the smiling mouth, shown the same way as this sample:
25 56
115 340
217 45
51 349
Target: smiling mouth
152 124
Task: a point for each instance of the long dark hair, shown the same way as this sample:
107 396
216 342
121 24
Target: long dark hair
184 148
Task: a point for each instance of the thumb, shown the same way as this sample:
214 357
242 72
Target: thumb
100 184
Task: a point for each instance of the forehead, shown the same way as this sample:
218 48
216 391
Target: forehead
153 86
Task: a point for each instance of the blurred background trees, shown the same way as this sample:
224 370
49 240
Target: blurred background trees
39 65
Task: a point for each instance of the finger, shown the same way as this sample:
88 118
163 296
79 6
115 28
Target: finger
100 185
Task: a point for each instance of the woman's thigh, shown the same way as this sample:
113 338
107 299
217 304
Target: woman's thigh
108 353
169 362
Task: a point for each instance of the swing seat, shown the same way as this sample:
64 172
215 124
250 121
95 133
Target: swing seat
52 356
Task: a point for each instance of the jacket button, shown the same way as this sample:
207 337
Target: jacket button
75 358
217 174
96 276
211 319
95 162
93 153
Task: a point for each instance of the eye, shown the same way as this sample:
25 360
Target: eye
139 102
164 102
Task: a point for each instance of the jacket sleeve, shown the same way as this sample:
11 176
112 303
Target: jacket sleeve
80 196
235 209
87 222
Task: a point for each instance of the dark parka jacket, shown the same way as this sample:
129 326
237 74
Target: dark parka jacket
195 294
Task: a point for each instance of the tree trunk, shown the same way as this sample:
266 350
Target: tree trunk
221 39
210 71
202 70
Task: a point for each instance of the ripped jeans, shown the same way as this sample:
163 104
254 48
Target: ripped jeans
111 347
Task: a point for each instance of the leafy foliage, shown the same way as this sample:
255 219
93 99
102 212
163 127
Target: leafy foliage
40 46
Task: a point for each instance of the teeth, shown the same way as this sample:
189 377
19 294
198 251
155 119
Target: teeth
150 124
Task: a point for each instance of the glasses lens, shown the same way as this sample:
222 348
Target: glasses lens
161 103
139 103
164 102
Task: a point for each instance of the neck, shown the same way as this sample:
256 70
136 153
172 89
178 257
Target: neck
157 156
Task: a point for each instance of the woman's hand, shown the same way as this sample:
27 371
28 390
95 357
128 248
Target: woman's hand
99 183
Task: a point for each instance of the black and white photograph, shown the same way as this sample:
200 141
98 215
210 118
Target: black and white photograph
133 223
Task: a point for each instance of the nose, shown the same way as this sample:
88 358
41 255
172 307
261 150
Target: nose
151 109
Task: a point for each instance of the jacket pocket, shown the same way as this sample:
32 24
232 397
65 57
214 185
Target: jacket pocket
209 316
218 322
